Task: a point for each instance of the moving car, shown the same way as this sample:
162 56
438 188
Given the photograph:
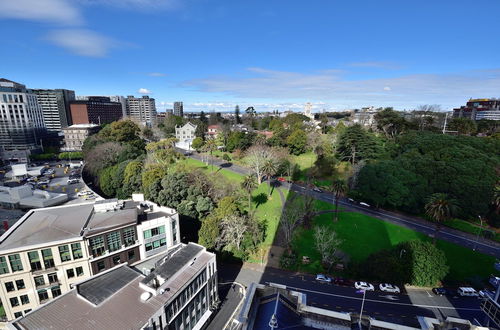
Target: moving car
316 189
323 278
440 291
364 204
364 286
486 293
389 288
467 292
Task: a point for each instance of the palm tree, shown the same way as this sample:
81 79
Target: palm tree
249 184
339 189
496 198
440 208
269 169
211 146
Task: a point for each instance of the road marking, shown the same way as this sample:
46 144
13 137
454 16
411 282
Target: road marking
428 294
382 301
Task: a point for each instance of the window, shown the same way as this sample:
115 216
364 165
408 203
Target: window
64 253
27 311
116 260
14 301
52 278
97 246
100 265
9 286
70 272
20 284
39 281
147 233
149 246
163 242
43 295
155 231
15 263
25 299
79 271
56 291
18 314
131 255
4 269
129 236
34 260
76 248
114 241
48 260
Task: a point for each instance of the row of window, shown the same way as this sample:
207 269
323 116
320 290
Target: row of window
112 241
154 232
155 244
9 286
9 98
43 294
101 264
19 314
178 303
191 314
16 264
17 301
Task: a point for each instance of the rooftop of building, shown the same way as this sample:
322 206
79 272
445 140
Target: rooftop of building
80 126
70 222
113 299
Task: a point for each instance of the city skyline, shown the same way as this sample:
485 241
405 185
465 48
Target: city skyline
213 55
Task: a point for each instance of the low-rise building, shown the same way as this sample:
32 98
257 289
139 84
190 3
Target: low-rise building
25 197
185 135
50 249
174 290
477 109
213 131
75 135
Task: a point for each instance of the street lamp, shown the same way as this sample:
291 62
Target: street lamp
361 312
479 232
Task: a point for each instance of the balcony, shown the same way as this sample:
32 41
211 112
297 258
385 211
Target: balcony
48 285
43 271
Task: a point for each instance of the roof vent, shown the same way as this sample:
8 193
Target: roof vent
145 296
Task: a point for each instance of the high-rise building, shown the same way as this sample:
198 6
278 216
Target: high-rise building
96 110
141 109
21 118
55 107
178 109
477 109
50 249
113 98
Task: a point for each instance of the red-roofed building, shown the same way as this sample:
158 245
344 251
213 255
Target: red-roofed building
213 131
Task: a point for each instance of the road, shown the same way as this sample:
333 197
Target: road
464 239
397 308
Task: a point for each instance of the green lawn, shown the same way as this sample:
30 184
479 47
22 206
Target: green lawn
469 227
271 211
208 169
363 235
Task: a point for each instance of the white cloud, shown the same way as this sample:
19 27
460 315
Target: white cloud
144 91
375 64
52 11
408 91
82 42
136 4
387 88
156 74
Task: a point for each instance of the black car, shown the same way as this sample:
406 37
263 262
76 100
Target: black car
342 281
440 291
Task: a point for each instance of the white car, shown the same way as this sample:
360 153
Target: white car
389 288
364 204
44 182
84 193
364 286
323 278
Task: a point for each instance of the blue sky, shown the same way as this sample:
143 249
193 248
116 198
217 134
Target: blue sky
270 54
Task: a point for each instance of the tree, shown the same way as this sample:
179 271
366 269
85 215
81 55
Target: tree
250 111
390 122
464 126
197 143
163 152
233 229
132 178
496 198
211 146
327 243
102 156
440 208
121 131
248 184
209 232
339 189
290 219
269 169
356 144
237 114
297 142
257 156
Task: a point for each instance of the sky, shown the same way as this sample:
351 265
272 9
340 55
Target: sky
270 54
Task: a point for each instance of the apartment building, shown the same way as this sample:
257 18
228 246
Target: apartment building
142 110
50 249
55 107
477 109
96 110
185 135
178 109
75 135
173 290
21 118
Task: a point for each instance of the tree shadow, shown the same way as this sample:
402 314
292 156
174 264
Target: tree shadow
259 199
189 228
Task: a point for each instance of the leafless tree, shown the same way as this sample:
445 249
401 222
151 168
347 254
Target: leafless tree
257 156
327 243
102 156
291 217
233 229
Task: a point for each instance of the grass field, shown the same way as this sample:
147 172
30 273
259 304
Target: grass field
471 228
363 235
208 169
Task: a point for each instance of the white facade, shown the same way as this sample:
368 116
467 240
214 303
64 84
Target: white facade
20 117
185 135
75 135
142 110
308 111
55 107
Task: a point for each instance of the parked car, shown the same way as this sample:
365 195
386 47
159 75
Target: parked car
350 200
364 286
364 204
281 179
440 291
31 179
341 281
73 180
486 293
316 189
50 171
389 288
467 292
323 278
84 193
44 181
